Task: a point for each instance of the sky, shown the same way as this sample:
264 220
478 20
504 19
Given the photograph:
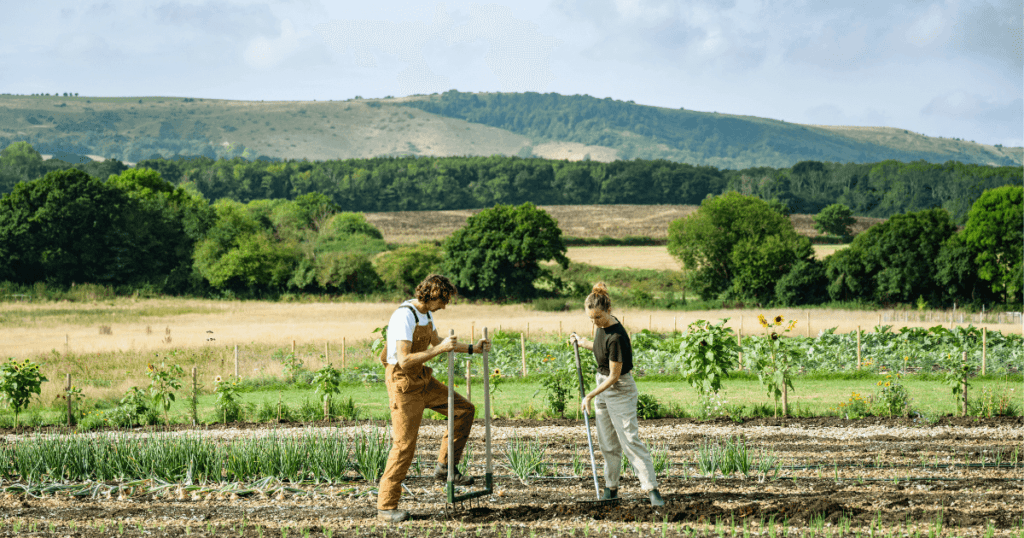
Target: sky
950 68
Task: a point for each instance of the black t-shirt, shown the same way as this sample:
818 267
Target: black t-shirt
611 344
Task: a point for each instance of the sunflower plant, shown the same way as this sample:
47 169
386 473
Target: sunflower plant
18 382
706 354
773 358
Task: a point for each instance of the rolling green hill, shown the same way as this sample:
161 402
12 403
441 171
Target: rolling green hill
453 123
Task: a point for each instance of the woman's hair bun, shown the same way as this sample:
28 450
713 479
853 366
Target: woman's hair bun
600 289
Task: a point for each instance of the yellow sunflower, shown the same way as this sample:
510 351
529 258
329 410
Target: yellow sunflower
762 321
779 320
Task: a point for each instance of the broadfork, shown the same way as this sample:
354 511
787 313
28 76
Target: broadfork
590 442
450 495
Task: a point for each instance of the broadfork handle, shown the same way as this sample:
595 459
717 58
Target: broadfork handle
586 419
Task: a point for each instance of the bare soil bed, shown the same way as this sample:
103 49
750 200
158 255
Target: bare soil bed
839 478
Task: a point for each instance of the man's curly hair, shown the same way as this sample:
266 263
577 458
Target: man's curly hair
436 287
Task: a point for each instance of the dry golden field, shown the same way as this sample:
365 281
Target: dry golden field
616 221
26 332
649 257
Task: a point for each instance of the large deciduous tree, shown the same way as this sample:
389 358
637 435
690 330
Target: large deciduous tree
736 243
995 230
69 227
497 254
836 220
893 262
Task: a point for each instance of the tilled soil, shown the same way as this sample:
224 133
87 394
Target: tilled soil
839 478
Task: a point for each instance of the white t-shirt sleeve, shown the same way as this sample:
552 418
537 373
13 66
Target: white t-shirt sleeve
401 327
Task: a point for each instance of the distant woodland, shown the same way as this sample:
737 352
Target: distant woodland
878 189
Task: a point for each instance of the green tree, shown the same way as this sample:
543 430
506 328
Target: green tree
240 253
497 254
352 223
69 227
805 283
705 240
994 229
897 258
761 263
836 220
20 162
404 268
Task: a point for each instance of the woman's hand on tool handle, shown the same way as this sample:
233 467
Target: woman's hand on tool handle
585 406
583 342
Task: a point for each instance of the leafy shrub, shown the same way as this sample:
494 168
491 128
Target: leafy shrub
404 268
227 404
553 304
648 407
892 398
805 283
347 272
558 383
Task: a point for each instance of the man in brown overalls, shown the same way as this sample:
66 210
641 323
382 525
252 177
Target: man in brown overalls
412 341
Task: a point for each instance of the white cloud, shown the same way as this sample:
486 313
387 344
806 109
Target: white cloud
265 53
517 53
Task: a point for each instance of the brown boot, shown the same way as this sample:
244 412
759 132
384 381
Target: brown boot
441 474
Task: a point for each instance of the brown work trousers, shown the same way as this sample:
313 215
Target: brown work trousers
408 396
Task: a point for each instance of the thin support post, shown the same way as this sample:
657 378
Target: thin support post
236 361
68 393
984 348
808 324
293 347
858 347
963 408
469 380
522 346
675 324
450 486
327 352
195 391
344 350
739 355
650 322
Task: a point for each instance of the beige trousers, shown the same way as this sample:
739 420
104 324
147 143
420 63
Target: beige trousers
618 432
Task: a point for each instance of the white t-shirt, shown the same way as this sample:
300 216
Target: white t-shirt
401 327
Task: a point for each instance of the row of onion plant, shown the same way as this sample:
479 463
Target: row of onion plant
189 457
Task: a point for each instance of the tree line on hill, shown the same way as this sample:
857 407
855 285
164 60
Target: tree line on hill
648 132
136 231
442 183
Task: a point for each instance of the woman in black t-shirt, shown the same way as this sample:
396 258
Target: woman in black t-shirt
615 398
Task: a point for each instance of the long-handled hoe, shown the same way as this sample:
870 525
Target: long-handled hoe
452 498
590 442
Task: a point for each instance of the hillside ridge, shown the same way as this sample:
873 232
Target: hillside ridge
453 123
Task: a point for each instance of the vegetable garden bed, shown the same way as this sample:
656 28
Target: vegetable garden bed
825 477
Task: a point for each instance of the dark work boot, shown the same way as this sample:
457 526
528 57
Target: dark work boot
392 516
607 494
441 473
656 499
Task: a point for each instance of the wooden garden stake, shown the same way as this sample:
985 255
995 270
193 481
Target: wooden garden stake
68 392
293 347
343 346
236 361
964 407
195 387
984 348
739 356
527 329
327 352
469 381
650 322
522 345
675 324
858 347
327 411
279 406
559 329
